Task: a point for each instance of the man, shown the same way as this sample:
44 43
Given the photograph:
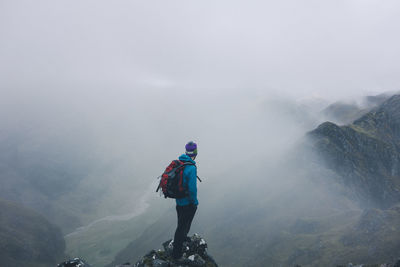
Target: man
186 207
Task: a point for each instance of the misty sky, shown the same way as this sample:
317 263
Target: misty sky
118 87
301 48
127 83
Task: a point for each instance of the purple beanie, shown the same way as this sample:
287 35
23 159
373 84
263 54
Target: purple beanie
191 149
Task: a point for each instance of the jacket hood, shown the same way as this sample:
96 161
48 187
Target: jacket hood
185 157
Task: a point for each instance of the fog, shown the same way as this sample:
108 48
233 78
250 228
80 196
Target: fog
110 92
327 48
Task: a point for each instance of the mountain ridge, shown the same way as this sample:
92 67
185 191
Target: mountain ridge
365 153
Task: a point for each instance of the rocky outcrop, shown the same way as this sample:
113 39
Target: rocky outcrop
365 154
77 262
195 254
395 264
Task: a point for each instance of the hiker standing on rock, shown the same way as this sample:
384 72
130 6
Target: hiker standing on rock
186 207
179 181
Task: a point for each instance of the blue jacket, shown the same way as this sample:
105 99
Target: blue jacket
190 182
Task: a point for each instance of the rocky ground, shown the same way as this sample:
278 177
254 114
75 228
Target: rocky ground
195 254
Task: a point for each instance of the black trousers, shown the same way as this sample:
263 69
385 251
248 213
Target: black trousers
185 218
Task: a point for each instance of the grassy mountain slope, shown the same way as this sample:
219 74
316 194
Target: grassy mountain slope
366 153
38 173
27 238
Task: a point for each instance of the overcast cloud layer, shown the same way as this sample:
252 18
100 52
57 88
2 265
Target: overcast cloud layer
300 48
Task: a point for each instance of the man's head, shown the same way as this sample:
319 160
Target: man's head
191 149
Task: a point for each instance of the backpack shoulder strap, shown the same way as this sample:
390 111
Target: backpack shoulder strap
185 163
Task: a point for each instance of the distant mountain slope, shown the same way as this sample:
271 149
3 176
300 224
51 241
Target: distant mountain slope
345 113
27 238
37 173
65 176
366 153
149 239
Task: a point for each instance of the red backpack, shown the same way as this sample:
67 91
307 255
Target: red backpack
172 180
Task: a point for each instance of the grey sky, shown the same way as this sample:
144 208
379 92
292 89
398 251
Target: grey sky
300 48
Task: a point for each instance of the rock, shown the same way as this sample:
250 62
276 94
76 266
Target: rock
195 254
160 263
74 263
168 246
396 264
196 260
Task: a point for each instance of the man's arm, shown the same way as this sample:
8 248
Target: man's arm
192 185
